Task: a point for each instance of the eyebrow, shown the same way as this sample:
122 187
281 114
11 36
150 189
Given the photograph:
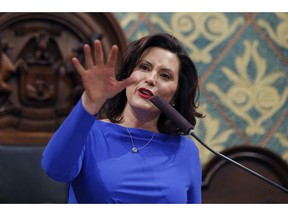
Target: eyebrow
150 63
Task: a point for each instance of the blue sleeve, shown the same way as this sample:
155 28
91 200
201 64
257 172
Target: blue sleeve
195 192
61 159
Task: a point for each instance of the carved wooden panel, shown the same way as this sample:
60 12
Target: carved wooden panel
38 83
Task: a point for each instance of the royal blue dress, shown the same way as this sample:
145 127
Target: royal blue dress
97 161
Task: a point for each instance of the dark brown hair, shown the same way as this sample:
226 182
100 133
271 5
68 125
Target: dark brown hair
186 96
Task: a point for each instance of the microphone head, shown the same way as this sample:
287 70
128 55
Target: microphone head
171 113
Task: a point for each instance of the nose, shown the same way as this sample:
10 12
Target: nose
151 78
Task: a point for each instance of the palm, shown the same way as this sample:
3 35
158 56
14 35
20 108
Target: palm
99 79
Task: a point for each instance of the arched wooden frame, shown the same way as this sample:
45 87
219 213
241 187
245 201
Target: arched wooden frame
41 86
223 182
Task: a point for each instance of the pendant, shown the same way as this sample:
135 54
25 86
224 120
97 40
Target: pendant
134 150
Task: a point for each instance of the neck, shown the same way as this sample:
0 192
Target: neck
143 119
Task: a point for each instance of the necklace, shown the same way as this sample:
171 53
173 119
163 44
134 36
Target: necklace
134 148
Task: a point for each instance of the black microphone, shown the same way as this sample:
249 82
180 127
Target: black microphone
170 112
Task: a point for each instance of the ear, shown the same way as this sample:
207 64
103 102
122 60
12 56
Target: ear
172 102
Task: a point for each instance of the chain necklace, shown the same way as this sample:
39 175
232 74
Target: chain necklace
134 148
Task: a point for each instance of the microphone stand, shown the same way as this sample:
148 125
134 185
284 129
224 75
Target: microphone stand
187 128
236 163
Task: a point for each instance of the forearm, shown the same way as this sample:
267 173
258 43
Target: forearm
62 153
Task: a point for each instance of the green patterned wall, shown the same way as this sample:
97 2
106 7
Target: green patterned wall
242 60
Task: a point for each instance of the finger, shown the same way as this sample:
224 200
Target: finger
112 58
78 66
98 53
88 58
127 82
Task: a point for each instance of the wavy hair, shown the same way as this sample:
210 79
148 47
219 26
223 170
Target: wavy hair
187 93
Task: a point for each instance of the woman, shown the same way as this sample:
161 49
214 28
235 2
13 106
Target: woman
130 153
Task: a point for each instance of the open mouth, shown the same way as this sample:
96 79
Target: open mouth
145 93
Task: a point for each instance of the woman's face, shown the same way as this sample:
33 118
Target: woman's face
158 74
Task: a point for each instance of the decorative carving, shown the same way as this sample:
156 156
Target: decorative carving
39 85
38 82
6 67
40 71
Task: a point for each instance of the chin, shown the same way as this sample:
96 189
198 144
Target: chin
143 105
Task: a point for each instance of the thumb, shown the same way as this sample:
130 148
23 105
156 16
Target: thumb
127 82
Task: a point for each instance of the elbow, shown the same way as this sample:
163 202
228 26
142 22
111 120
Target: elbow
52 170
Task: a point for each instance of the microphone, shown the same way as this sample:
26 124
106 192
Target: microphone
188 129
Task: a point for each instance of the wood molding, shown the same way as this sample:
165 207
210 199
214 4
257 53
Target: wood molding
38 82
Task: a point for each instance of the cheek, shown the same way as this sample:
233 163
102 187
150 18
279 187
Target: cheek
129 91
168 92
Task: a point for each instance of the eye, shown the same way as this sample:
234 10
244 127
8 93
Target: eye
144 67
165 76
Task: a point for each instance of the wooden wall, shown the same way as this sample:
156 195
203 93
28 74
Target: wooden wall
38 83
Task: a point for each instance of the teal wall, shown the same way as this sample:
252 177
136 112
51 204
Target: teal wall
242 61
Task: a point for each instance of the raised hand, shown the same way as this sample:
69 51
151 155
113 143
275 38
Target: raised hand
98 78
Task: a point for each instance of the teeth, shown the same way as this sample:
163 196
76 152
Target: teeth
145 92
